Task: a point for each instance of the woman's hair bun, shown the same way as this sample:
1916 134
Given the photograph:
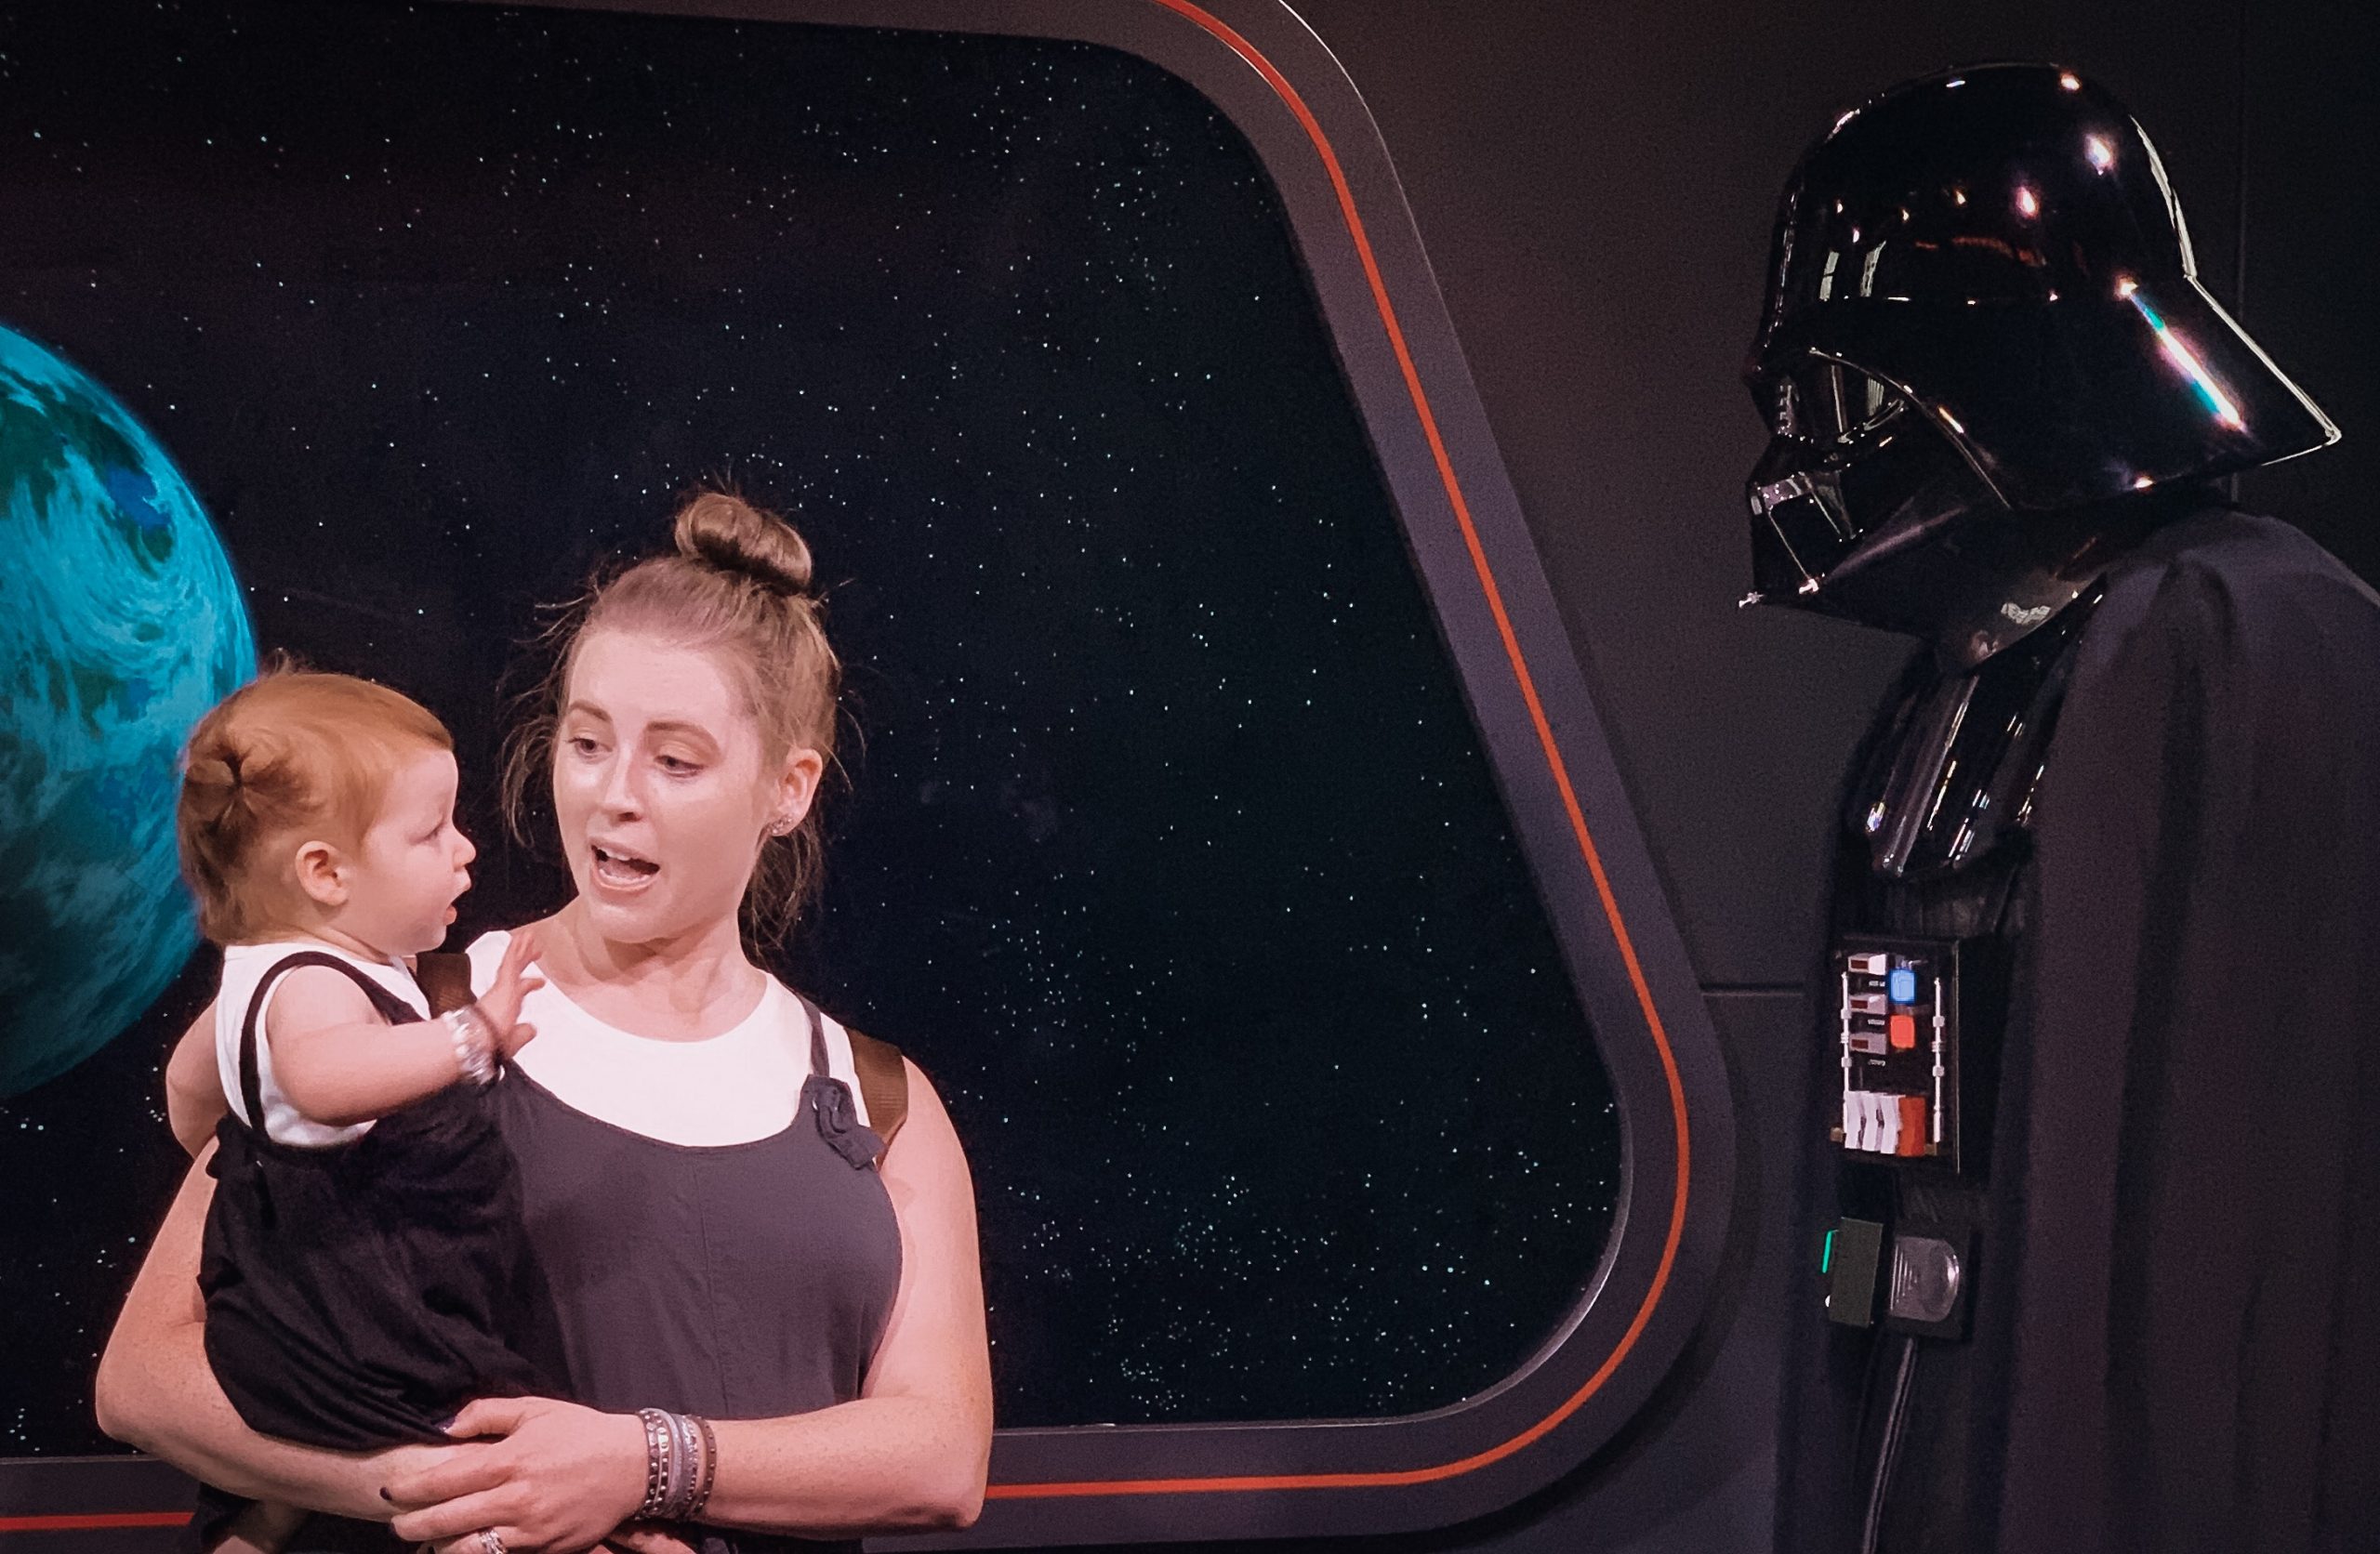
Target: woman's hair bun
729 534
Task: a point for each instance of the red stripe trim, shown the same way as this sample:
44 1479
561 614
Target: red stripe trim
1587 849
89 1524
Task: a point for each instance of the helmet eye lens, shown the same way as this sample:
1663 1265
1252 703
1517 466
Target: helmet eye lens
1822 402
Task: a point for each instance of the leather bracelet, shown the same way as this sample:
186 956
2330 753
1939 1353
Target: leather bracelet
709 1467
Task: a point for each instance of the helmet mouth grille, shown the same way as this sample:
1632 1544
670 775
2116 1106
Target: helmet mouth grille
1824 402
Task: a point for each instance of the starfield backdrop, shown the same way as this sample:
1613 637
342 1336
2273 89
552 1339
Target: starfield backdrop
1168 846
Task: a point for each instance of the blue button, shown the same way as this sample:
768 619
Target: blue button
1904 986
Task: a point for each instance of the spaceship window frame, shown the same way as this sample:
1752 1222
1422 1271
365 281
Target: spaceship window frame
1266 72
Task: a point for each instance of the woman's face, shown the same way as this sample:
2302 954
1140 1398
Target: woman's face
662 789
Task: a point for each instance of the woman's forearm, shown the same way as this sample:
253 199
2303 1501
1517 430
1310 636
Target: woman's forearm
165 1402
157 1392
874 1464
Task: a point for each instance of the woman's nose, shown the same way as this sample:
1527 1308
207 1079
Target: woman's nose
619 795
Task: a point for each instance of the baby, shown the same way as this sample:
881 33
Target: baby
364 1270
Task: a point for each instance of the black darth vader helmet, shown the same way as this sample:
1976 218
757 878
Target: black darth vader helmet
1987 362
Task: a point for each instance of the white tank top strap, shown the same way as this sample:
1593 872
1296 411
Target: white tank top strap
244 969
742 1085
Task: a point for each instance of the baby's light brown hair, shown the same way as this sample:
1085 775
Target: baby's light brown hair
293 751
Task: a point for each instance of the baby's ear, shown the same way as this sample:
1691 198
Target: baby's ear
317 865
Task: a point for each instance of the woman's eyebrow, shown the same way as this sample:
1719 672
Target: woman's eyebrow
679 726
580 709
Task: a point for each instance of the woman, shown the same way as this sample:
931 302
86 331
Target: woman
719 1233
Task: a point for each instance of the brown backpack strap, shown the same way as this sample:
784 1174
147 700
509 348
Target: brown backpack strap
444 978
883 1084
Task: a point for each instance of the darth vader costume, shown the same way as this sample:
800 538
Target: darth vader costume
2094 1186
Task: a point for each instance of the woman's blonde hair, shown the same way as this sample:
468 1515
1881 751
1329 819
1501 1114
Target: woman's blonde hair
294 750
736 584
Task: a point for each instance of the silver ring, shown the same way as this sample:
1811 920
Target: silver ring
490 1541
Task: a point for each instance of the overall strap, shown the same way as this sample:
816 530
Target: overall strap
883 1082
389 1006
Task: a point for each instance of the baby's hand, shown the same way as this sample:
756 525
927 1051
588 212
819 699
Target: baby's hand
514 981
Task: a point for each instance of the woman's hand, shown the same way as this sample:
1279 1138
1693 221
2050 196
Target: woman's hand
556 1479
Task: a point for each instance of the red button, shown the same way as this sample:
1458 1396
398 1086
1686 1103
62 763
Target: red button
1912 1126
1903 1029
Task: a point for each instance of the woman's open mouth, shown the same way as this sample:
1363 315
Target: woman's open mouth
616 870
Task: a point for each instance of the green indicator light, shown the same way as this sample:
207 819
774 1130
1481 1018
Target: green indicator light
1826 1259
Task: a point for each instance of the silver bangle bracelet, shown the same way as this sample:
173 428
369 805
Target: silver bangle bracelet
682 1468
474 1043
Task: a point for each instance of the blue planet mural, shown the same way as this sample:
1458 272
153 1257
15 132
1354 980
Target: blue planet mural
120 623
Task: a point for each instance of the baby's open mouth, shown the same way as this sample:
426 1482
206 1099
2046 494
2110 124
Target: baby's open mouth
615 867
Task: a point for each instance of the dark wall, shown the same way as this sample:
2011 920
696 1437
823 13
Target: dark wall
1594 186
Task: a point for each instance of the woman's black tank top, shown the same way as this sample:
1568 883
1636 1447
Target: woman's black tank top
736 1280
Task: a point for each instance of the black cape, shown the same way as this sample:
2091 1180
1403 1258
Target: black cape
2177 1322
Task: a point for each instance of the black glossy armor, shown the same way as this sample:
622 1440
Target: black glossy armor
2131 798
1984 335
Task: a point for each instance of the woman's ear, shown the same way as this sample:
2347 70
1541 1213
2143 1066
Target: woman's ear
322 874
797 790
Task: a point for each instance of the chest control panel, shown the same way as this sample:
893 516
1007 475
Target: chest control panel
1902 1031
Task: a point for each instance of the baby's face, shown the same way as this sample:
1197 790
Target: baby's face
413 864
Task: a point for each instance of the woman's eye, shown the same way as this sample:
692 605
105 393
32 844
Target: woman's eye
678 764
581 745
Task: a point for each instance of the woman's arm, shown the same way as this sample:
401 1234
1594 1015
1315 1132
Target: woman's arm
194 1101
156 1391
909 1453
912 1452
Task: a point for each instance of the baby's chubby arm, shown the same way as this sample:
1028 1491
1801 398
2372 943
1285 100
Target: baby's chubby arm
338 1062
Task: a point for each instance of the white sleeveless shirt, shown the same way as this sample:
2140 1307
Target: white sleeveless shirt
243 967
741 1085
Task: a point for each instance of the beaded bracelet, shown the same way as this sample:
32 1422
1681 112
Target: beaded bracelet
474 1043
